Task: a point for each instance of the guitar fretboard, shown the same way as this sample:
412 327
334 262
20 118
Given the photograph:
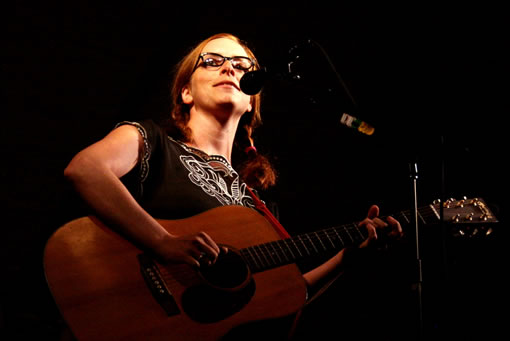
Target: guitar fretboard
285 251
280 252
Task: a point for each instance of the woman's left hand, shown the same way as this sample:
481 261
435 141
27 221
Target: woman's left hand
378 228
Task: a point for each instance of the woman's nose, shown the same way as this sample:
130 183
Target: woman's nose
227 68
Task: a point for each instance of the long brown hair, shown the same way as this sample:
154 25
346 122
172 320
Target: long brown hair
255 169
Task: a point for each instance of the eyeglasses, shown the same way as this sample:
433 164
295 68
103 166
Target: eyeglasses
213 60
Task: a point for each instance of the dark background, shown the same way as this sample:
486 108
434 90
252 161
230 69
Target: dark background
432 79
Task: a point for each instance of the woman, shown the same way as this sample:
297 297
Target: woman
137 173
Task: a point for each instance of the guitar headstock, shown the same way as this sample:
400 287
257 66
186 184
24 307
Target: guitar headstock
470 216
466 211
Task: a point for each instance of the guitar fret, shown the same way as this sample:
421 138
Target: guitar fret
339 236
297 248
402 214
435 212
330 240
362 237
420 216
268 253
288 247
304 245
263 254
320 240
252 258
276 252
252 262
431 212
261 262
282 251
311 242
349 235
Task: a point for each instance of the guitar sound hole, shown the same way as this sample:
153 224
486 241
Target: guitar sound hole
227 288
229 272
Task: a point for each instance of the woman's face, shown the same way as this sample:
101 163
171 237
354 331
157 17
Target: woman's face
216 89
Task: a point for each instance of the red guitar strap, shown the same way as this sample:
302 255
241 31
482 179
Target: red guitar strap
269 216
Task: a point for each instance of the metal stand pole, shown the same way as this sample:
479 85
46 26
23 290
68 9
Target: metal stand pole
414 176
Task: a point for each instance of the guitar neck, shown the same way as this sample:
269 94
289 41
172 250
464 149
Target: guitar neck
285 251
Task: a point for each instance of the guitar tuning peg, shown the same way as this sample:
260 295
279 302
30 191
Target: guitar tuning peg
448 202
456 218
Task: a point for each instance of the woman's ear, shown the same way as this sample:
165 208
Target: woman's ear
187 97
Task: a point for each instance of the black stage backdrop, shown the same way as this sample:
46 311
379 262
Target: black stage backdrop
431 78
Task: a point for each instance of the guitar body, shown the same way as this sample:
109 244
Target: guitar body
108 289
96 279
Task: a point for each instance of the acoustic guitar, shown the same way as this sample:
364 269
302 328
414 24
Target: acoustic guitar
108 289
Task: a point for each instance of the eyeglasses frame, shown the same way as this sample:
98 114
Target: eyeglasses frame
201 57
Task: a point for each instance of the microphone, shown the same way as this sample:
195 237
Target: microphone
251 82
356 123
288 68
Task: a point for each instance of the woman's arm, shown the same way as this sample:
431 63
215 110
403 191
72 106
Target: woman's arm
95 173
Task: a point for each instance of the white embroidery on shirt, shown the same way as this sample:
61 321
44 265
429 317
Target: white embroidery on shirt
206 175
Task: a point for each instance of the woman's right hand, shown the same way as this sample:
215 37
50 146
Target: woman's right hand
194 249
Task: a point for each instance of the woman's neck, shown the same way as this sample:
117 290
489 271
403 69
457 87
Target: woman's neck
212 135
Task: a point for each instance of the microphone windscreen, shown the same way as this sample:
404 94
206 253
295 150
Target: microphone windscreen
252 82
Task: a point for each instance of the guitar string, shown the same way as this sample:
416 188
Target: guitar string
314 243
264 255
316 240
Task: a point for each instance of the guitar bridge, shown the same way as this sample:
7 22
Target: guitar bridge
156 285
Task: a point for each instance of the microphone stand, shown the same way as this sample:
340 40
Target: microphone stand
413 167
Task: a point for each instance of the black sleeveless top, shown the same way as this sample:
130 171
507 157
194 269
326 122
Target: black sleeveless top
174 181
